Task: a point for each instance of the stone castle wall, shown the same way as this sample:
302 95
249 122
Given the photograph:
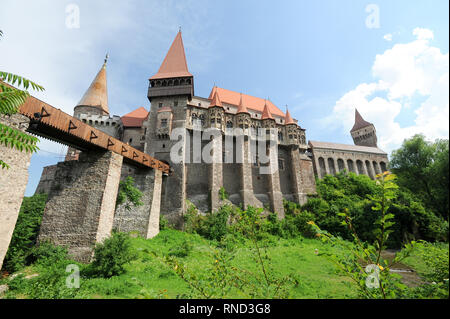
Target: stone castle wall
13 182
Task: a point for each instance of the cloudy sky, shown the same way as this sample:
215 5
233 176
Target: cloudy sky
321 58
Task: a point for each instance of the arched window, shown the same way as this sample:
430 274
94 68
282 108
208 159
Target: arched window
331 166
321 171
351 167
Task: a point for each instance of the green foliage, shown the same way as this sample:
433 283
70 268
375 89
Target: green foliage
353 192
423 168
163 223
46 254
182 250
363 263
223 195
128 194
11 99
25 232
111 256
212 225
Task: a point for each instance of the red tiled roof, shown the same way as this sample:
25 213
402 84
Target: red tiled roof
241 107
174 64
346 147
135 118
248 101
266 113
289 119
359 122
216 101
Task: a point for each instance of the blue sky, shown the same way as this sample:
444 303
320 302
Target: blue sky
318 57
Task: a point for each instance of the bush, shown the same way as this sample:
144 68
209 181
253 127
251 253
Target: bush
25 232
111 256
181 251
353 192
163 223
212 225
46 254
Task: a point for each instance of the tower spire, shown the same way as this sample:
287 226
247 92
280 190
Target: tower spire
266 113
242 108
288 119
359 122
97 93
174 64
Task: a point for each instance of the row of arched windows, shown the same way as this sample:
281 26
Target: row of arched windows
171 82
332 167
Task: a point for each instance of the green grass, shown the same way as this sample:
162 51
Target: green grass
149 277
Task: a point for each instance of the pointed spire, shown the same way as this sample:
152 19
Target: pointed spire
288 119
359 122
242 108
266 113
216 101
97 93
174 64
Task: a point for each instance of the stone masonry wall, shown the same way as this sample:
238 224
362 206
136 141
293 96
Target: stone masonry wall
13 182
80 208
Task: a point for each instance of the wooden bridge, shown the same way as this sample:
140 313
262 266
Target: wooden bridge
56 125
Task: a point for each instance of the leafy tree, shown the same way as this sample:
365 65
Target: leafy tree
128 194
353 192
11 99
423 168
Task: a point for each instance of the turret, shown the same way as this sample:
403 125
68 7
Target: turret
95 100
173 77
216 112
363 132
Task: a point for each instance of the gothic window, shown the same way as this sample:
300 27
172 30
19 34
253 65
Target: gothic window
280 136
229 124
281 164
202 119
303 139
163 122
290 136
213 120
160 105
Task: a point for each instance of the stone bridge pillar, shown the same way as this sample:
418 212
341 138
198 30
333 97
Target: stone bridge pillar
13 182
246 179
145 218
80 209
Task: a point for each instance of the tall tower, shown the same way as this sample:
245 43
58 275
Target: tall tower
94 102
169 92
363 132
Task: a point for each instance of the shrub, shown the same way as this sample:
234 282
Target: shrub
25 232
182 250
163 223
46 254
111 256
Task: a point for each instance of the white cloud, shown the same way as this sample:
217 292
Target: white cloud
423 34
413 73
40 47
388 37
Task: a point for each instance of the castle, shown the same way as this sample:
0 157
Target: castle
175 107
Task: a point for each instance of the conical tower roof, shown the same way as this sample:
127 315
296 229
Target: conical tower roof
288 119
216 101
266 113
359 122
174 64
97 93
241 107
